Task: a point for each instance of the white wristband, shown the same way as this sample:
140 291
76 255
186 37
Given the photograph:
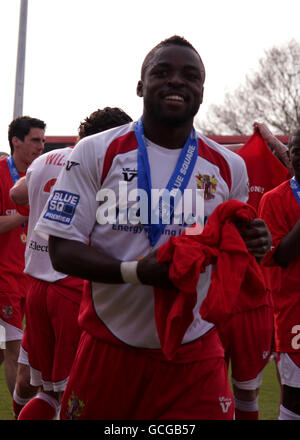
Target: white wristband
129 272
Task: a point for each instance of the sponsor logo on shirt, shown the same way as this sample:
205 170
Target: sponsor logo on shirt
208 184
61 207
70 164
38 247
225 403
129 174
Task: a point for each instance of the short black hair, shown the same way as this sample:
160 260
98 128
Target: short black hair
21 126
175 40
101 120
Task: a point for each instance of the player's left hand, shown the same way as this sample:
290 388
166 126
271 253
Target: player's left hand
256 236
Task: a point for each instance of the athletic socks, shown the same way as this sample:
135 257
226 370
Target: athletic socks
19 403
246 409
286 414
41 407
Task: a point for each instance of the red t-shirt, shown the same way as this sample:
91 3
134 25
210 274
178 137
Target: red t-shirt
12 244
281 210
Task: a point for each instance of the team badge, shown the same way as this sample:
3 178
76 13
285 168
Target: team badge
7 311
208 184
75 407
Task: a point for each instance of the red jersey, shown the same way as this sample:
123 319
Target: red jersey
12 243
280 210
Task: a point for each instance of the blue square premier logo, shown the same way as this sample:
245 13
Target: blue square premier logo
61 207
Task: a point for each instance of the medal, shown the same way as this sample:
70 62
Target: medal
23 238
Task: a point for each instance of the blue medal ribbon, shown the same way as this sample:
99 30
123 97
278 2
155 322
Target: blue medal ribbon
295 186
179 179
13 172
12 169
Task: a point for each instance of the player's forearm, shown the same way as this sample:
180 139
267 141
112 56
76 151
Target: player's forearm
282 152
19 192
9 222
289 247
83 261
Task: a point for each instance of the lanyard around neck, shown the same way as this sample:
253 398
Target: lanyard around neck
178 180
295 188
12 169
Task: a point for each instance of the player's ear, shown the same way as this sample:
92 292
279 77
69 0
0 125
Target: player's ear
16 142
202 93
139 88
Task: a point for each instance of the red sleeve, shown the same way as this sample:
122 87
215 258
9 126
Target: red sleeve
272 211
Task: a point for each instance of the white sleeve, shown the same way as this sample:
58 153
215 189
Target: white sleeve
240 181
70 211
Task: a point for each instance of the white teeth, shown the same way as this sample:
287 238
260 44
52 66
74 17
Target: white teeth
174 98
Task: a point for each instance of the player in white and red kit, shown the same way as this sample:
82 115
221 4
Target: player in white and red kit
280 208
26 139
120 371
52 332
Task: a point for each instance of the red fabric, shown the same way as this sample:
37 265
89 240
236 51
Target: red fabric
199 350
247 338
109 383
214 157
52 332
37 409
265 171
12 247
12 309
23 210
281 211
236 271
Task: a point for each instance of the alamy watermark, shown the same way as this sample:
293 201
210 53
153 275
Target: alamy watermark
165 207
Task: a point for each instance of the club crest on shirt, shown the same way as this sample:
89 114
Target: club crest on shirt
75 407
7 311
208 184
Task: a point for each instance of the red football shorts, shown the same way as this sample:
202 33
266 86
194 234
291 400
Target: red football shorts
12 308
248 342
51 336
122 382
